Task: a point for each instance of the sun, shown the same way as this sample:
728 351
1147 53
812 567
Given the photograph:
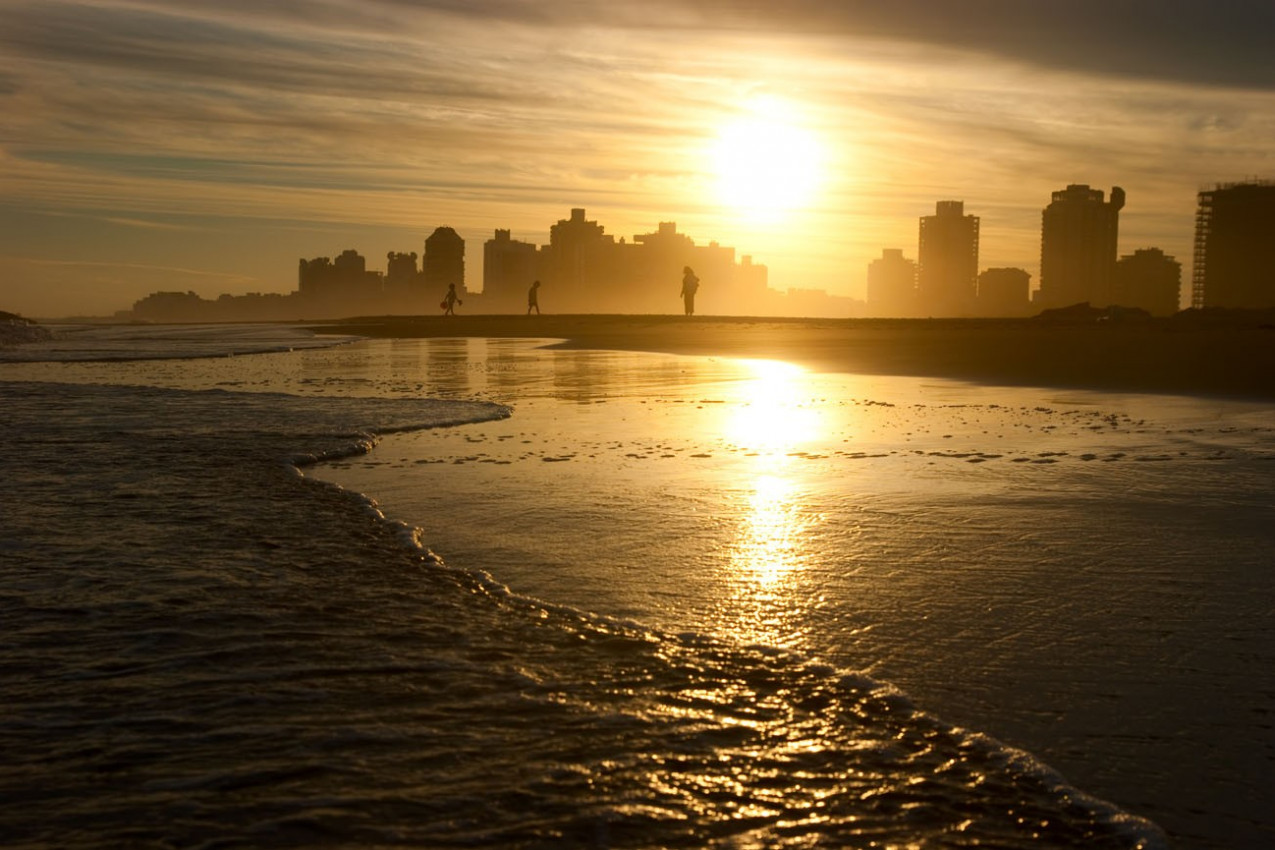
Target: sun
767 164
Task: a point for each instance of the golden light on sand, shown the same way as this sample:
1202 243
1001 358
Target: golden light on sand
766 162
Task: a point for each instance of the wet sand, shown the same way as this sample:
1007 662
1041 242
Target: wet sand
1232 359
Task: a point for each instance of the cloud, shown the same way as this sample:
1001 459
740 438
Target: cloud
145 224
1227 44
223 53
298 45
414 101
1223 44
127 268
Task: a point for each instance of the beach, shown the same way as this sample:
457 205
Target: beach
1229 357
1075 573
631 599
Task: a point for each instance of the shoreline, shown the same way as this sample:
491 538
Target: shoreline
1232 359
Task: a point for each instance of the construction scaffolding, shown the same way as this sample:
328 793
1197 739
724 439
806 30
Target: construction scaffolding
1203 223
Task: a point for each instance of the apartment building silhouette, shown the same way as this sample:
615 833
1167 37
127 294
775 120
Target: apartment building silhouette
1078 237
1149 280
947 261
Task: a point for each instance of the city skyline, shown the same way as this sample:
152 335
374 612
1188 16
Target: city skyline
172 146
592 271
585 270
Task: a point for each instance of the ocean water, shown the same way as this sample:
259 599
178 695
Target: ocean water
637 601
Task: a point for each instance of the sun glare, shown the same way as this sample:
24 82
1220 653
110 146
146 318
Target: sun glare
767 164
774 420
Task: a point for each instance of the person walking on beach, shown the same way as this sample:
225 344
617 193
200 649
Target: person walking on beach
533 298
450 300
690 285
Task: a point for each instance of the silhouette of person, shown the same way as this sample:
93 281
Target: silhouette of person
450 300
690 285
533 298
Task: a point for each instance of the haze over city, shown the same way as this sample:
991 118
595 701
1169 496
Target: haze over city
182 146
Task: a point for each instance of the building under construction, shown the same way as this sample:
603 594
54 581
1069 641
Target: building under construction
1235 247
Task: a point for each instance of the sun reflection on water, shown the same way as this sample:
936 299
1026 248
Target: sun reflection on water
772 418
769 542
770 547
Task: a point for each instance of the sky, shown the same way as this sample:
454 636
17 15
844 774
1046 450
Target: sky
184 145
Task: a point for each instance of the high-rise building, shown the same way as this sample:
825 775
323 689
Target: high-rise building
1004 293
947 261
1235 247
1149 280
509 267
443 264
579 254
1078 247
892 285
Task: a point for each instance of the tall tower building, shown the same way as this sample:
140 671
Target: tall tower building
947 261
1078 247
1235 247
443 263
580 255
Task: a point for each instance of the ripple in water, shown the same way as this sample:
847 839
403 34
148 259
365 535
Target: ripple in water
205 649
